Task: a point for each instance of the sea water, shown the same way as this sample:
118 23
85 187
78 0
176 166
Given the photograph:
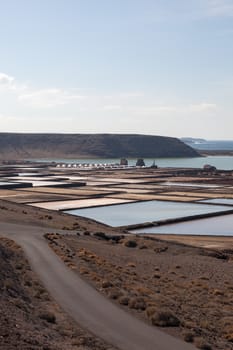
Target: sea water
220 162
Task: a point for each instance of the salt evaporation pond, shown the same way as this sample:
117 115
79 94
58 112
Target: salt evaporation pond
140 212
218 226
227 201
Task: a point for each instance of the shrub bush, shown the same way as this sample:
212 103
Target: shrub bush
165 318
137 303
48 316
131 244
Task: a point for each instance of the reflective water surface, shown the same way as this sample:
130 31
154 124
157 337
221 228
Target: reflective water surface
135 213
220 162
219 226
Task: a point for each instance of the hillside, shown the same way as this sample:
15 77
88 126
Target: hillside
21 146
29 317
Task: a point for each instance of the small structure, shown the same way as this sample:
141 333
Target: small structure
209 167
153 166
124 161
140 162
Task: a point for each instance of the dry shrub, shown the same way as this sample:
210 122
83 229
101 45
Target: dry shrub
229 337
101 235
114 294
106 284
130 244
86 233
227 321
204 324
230 287
84 271
144 291
161 249
9 284
188 336
48 316
150 311
137 303
131 264
124 300
27 283
218 292
202 344
227 325
204 278
164 318
72 266
143 247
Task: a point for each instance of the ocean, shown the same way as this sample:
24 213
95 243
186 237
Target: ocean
211 145
220 162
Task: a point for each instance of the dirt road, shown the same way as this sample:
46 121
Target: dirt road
89 308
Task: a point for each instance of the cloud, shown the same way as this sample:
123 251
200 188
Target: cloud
6 80
125 95
111 107
46 98
8 83
124 103
28 95
203 107
169 110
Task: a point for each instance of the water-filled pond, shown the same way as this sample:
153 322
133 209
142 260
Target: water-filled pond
219 226
140 212
220 201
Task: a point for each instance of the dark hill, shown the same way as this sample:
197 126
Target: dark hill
19 146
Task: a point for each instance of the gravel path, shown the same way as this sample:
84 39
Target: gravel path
89 308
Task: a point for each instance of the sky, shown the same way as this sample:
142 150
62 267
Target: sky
160 67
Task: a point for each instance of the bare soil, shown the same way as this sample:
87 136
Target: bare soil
29 318
26 214
185 290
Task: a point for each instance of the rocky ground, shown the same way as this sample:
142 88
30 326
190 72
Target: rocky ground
187 291
29 318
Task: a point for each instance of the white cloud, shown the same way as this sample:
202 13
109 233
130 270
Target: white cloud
6 80
203 107
112 107
28 95
46 98
125 95
175 109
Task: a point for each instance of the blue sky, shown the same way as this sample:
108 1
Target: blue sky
126 66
